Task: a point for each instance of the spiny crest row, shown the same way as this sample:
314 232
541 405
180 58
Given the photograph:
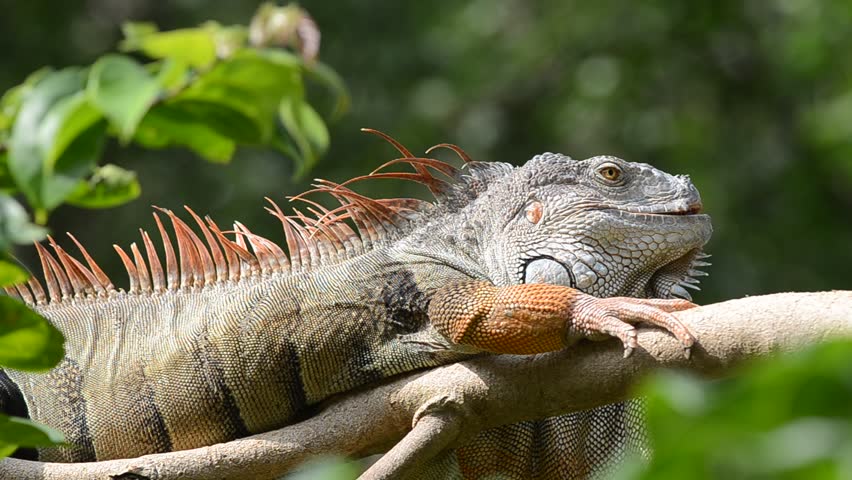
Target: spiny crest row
319 238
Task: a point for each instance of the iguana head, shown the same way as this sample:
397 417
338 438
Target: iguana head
604 225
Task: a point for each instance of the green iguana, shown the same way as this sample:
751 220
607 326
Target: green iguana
235 335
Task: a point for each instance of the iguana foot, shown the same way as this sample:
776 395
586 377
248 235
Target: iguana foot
594 317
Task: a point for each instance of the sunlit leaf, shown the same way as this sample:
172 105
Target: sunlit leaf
76 162
28 149
110 186
229 40
123 90
66 121
27 340
193 46
250 83
11 274
173 74
11 101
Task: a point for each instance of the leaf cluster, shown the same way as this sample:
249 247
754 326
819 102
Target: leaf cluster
209 89
787 417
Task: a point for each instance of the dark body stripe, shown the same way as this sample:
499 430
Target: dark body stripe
67 379
231 421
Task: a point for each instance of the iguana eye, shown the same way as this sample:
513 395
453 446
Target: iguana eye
610 172
534 212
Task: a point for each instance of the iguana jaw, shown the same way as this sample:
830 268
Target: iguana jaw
675 272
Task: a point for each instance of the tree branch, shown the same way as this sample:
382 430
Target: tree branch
465 398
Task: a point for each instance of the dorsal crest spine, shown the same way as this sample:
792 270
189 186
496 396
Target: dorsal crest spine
322 237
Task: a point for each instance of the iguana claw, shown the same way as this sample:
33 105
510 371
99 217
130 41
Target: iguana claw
602 317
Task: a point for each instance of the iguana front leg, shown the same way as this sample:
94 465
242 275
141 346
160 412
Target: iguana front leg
538 318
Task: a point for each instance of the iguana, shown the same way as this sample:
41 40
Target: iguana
234 334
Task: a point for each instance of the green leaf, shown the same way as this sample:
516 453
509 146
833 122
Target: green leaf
56 139
123 90
75 163
11 274
224 119
28 149
27 340
19 432
66 121
251 83
172 74
110 186
167 125
326 76
7 184
12 99
307 129
193 46
15 226
326 468
229 40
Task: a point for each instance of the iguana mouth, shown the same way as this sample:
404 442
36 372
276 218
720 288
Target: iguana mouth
678 208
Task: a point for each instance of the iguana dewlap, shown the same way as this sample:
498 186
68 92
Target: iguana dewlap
225 334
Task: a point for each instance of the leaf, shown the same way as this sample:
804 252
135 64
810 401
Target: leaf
226 120
307 129
110 186
7 184
19 432
193 46
172 75
66 121
27 150
331 80
11 274
27 340
15 226
12 99
326 468
123 90
167 125
251 83
76 162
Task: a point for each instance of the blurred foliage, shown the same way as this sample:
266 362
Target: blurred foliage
327 468
787 417
208 89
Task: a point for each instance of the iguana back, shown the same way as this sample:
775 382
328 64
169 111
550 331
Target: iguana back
233 336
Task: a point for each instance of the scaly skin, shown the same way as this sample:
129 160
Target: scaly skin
540 317
508 260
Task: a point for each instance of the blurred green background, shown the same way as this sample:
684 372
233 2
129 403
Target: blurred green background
753 99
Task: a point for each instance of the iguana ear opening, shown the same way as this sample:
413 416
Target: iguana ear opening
534 212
